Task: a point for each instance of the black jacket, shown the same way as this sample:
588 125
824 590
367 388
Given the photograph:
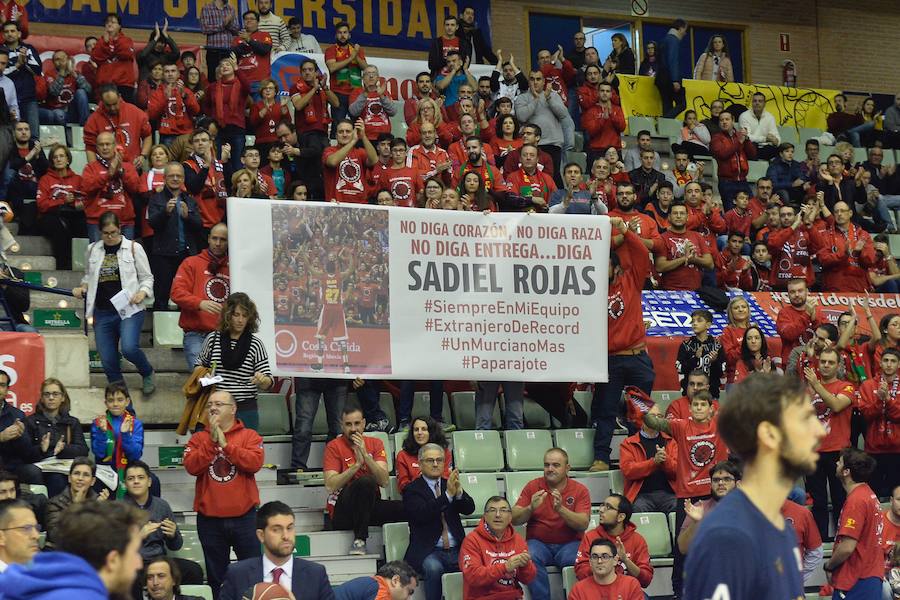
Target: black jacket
24 183
148 53
14 452
165 225
474 38
66 427
18 298
424 511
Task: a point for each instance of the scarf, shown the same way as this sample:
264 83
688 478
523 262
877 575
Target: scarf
114 450
215 262
233 358
234 98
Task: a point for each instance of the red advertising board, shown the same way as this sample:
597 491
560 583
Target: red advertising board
22 357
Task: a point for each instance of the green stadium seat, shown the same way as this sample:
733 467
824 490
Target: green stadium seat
672 526
320 423
422 406
535 415
274 417
860 155
202 591
166 331
480 486
452 584
569 579
889 157
579 158
386 402
894 244
616 481
398 441
664 397
758 169
79 161
636 124
394 493
250 140
595 518
77 137
807 133
52 134
79 248
584 399
579 141
789 134
190 549
655 529
396 539
525 448
463 405
477 451
579 444
516 481
670 128
386 440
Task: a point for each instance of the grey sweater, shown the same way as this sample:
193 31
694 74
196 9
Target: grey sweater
156 543
548 114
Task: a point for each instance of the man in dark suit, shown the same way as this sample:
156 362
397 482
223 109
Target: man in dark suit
163 579
275 530
433 505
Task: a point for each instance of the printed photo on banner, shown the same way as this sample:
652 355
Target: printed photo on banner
330 302
347 290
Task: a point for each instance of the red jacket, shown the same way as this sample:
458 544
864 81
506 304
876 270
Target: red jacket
482 560
227 100
882 418
731 153
795 327
52 190
115 61
625 318
635 547
264 126
560 80
130 126
603 126
174 111
226 482
12 10
790 250
733 271
194 283
636 466
105 191
210 192
843 269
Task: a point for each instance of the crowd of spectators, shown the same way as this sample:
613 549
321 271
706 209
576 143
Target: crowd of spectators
167 144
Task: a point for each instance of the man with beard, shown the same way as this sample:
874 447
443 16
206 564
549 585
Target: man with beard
642 225
807 355
345 62
275 531
798 320
604 581
832 399
790 247
224 458
477 161
616 526
469 31
856 566
274 25
680 253
723 479
879 403
745 549
96 557
845 252
424 89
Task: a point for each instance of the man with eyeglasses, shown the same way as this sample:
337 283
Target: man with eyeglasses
604 581
845 251
725 476
19 533
557 510
494 558
433 504
224 458
616 527
110 183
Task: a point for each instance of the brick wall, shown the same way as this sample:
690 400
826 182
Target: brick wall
834 43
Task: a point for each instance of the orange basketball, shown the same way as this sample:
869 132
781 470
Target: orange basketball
6 212
266 591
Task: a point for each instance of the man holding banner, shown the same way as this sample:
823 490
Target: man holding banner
629 363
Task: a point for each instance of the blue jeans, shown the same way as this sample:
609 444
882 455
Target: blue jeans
93 231
218 535
235 136
306 405
110 331
193 342
624 370
559 555
854 133
77 112
28 112
514 402
407 394
339 112
436 564
864 589
249 417
369 396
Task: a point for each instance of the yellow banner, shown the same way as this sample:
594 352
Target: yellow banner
797 107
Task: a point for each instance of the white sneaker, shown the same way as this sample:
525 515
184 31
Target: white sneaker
358 548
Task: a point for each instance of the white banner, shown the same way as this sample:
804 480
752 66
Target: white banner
397 293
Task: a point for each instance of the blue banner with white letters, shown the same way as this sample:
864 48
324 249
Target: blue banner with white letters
669 313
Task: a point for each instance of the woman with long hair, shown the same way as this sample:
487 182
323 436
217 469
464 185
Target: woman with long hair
694 136
505 138
622 54
754 356
715 64
245 185
473 194
732 336
433 190
889 327
648 65
427 110
422 430
239 356
53 433
872 126
115 264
